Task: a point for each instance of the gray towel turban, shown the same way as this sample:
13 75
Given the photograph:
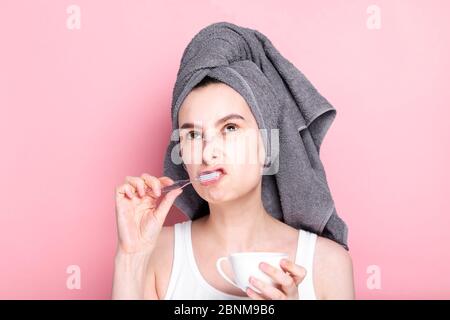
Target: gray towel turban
294 185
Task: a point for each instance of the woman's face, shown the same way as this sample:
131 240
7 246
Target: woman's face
218 129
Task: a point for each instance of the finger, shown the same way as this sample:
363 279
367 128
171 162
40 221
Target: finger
125 190
253 294
166 181
130 191
267 290
277 275
137 183
153 183
297 272
120 191
165 204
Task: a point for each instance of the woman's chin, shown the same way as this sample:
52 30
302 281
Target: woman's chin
214 191
215 194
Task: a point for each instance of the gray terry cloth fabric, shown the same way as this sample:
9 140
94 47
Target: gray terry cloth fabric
294 185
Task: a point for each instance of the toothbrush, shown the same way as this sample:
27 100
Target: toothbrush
184 182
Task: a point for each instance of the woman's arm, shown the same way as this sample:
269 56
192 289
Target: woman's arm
140 220
332 271
133 277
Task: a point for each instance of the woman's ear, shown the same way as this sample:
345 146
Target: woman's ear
263 159
181 156
267 162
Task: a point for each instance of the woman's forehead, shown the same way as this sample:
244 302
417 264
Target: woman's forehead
213 102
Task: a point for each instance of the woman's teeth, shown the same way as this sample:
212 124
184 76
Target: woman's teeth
209 176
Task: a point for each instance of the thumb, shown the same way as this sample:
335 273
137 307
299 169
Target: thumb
166 203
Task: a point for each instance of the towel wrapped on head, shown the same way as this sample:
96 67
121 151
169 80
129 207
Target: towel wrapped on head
294 184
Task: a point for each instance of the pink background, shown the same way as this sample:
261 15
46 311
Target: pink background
82 109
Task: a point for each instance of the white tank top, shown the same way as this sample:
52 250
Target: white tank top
187 283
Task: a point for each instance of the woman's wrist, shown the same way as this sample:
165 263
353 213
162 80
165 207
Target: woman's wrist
130 272
134 258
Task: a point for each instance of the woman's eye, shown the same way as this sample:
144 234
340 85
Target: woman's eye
192 135
231 125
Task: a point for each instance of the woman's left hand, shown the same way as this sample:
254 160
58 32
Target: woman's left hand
286 282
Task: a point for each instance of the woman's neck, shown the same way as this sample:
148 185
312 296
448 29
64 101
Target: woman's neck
239 225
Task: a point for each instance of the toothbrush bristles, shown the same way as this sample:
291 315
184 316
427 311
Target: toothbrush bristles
209 176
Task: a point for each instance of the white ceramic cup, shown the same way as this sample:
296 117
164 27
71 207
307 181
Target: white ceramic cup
246 264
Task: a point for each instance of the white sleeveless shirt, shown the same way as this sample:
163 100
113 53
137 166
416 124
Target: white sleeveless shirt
186 281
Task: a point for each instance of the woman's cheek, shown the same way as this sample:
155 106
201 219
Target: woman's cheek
241 151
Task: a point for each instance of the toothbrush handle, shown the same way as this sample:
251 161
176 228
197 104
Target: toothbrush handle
177 184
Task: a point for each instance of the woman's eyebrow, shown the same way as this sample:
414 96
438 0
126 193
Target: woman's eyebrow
189 125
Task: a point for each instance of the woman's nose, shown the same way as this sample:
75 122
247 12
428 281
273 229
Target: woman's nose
211 147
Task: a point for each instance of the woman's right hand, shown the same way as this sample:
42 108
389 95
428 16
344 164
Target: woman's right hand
139 216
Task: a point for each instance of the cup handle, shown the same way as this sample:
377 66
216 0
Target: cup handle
219 268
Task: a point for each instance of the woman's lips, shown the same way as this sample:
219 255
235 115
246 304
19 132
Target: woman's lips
213 169
213 180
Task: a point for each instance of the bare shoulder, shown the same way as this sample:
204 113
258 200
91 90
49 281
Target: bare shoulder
161 260
333 270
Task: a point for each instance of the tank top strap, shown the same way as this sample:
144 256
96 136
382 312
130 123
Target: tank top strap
178 259
305 258
306 247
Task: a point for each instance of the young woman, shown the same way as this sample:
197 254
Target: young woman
178 262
